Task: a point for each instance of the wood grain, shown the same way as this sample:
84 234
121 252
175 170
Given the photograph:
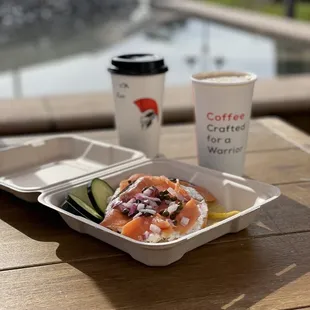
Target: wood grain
298 192
32 234
289 133
276 167
180 140
280 166
207 278
46 265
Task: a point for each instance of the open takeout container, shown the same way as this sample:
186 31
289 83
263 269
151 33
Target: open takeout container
47 170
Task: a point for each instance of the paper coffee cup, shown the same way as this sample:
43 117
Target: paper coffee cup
223 104
138 87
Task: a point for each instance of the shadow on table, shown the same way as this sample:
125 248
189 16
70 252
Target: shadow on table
43 224
237 270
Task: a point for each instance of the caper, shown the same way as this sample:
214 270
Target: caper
163 196
166 213
173 215
175 222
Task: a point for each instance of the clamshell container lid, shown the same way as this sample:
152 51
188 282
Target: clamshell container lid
38 165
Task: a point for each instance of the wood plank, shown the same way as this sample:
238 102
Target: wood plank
264 134
298 192
287 132
210 277
278 166
24 224
32 234
179 140
275 167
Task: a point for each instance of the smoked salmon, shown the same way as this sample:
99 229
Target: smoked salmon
156 209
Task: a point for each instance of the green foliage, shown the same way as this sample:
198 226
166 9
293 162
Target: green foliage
302 8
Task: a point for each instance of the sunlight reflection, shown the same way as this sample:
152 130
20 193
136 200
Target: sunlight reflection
288 296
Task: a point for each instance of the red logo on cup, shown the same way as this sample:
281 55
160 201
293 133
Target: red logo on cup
149 110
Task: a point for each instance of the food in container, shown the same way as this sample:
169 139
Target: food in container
145 207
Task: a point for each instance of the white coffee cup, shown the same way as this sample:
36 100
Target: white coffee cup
223 104
138 87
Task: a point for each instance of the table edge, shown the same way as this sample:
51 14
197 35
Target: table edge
287 132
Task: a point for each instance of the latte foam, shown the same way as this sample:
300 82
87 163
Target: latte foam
228 79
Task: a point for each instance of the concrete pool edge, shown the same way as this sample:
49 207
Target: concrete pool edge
276 27
285 95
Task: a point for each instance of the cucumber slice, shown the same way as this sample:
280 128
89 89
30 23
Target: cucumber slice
98 192
86 210
67 206
81 192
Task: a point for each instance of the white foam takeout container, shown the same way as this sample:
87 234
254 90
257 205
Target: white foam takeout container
46 170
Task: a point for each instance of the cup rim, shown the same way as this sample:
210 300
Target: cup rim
198 77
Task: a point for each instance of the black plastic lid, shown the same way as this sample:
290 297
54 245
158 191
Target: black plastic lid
138 64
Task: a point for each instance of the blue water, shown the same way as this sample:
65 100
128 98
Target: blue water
195 46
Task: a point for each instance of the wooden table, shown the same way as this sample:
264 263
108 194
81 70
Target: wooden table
46 265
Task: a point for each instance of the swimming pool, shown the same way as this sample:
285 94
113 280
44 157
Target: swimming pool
188 45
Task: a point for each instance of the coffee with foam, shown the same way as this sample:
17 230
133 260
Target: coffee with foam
228 79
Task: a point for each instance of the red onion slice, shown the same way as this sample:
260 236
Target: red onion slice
132 210
142 197
137 215
146 235
140 206
172 207
155 229
153 212
128 204
153 204
184 221
174 193
151 191
171 222
148 192
116 203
